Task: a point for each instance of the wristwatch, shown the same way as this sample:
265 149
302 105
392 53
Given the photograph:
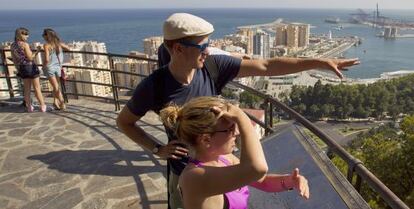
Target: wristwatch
156 149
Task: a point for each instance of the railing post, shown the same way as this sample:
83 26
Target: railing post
6 72
63 87
114 83
266 107
271 114
358 183
350 173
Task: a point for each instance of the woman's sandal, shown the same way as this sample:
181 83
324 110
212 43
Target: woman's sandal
56 107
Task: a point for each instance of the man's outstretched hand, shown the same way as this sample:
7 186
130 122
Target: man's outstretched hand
338 65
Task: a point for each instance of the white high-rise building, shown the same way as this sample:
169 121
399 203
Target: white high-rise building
151 45
295 35
303 36
281 35
261 45
248 34
93 46
292 36
80 59
92 89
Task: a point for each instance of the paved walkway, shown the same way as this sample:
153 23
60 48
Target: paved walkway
76 159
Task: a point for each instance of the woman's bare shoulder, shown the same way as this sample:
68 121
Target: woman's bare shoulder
190 176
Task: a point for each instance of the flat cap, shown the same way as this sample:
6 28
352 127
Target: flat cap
180 25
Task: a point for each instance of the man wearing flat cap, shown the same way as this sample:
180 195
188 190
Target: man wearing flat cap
186 76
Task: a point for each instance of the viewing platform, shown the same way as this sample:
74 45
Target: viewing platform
79 159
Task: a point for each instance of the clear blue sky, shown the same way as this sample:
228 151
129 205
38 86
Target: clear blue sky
134 4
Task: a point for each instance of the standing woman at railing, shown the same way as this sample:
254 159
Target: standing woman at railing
26 68
52 64
214 177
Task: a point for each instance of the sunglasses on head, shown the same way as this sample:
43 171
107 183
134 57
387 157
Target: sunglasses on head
201 47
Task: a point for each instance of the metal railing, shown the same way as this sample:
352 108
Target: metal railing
355 166
110 59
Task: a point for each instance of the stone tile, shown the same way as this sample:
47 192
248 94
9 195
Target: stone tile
91 144
151 188
34 138
32 120
5 126
39 131
52 133
62 140
39 203
13 175
52 189
48 121
130 203
18 131
3 139
2 152
97 202
4 203
67 200
47 177
78 128
20 159
11 144
155 175
123 192
104 183
153 202
67 133
13 191
60 123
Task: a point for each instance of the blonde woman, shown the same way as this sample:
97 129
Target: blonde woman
52 62
26 68
214 177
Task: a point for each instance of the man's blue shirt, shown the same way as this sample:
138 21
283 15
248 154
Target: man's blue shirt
144 97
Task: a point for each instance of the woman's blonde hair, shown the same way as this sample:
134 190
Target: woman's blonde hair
192 119
52 38
18 34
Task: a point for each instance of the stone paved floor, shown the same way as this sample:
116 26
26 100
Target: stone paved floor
76 159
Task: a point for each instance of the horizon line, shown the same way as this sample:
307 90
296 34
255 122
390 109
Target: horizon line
202 8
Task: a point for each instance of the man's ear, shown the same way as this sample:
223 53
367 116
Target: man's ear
177 48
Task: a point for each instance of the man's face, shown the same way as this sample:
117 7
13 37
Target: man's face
195 51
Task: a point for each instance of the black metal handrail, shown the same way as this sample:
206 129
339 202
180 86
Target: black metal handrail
111 69
355 166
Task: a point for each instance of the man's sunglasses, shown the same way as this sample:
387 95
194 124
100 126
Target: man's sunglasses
201 47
